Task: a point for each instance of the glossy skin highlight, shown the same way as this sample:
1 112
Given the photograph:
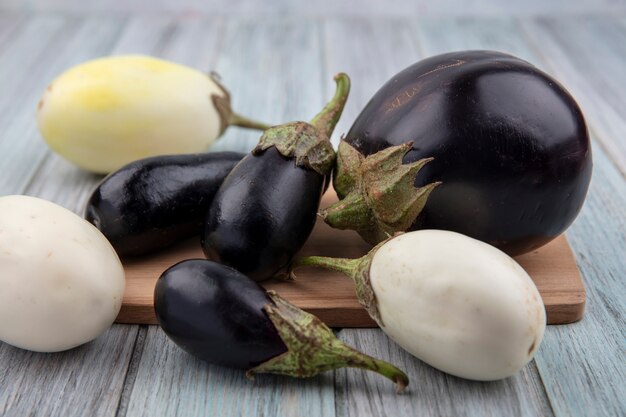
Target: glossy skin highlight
151 203
510 145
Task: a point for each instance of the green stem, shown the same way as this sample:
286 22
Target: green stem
313 348
358 269
241 121
327 119
368 363
309 143
349 267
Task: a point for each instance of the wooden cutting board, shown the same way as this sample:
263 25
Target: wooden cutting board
330 295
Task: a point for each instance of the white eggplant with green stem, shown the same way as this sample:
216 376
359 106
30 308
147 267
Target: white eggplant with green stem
458 304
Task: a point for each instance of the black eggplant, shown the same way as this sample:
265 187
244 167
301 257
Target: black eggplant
154 202
510 146
266 208
223 317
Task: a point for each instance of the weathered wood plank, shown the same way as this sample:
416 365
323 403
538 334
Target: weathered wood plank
589 56
71 42
145 35
276 80
372 52
582 365
194 42
395 8
9 25
444 35
40 35
431 392
171 382
83 381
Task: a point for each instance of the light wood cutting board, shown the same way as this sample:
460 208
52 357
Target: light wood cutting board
330 295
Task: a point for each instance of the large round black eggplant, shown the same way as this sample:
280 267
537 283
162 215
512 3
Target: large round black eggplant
266 208
510 145
223 317
154 202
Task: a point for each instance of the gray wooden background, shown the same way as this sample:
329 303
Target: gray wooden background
278 59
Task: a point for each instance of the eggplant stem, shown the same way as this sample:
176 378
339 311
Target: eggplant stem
350 267
312 347
368 363
241 121
326 120
358 269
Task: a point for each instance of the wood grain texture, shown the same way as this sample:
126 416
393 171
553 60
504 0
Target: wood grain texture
371 51
583 366
274 80
331 296
60 43
170 382
323 8
431 392
9 24
580 364
87 380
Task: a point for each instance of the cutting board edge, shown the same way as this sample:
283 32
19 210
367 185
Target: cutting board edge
353 318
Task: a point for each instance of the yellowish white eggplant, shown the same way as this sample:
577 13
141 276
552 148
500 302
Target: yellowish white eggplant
107 112
454 302
62 282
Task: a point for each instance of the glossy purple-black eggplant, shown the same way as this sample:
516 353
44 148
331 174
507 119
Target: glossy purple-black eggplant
222 317
151 203
266 208
510 146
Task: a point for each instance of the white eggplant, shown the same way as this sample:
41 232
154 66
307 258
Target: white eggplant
61 281
456 303
105 113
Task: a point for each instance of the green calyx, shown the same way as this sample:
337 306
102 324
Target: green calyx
301 141
309 143
313 348
358 269
225 111
377 192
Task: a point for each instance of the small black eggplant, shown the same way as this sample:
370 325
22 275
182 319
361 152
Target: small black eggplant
154 202
509 146
223 317
266 208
